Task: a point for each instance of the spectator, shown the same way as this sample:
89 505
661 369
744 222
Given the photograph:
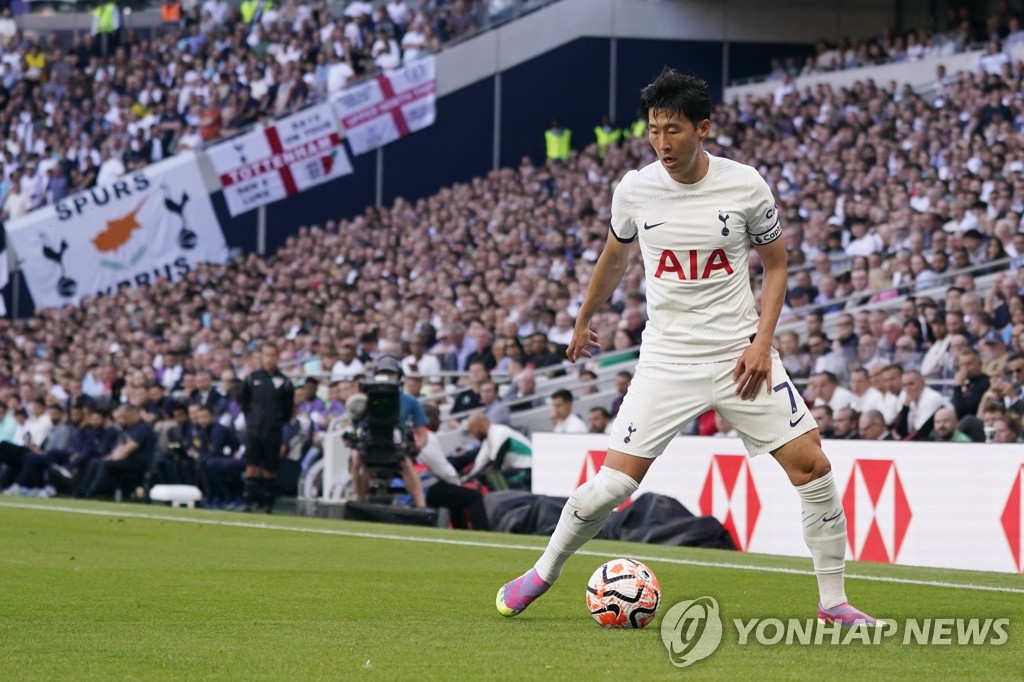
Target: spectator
418 361
469 399
599 420
945 430
970 384
523 395
205 393
892 379
994 353
497 412
563 420
872 426
844 424
348 366
588 383
1007 430
823 415
455 348
623 380
865 396
825 390
919 405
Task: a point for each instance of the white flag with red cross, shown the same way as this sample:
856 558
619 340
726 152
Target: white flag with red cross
380 111
276 161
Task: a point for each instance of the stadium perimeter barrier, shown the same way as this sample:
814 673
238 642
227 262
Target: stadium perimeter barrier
941 505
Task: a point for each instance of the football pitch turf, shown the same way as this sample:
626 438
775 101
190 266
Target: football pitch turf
106 592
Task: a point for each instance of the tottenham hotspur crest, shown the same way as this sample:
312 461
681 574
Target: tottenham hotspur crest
724 217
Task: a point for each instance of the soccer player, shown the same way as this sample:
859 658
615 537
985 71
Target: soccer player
696 217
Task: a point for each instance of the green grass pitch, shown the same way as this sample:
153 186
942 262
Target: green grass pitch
92 591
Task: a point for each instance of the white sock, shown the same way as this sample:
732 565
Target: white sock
824 525
583 517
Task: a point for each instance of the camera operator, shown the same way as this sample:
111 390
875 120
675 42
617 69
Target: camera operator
411 419
463 503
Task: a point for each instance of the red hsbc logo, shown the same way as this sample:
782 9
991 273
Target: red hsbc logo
1011 520
729 494
877 511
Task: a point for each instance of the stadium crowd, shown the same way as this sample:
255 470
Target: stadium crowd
1001 29
78 114
884 195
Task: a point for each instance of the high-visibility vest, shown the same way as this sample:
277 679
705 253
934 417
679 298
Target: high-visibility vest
559 144
605 137
170 12
249 8
104 15
638 129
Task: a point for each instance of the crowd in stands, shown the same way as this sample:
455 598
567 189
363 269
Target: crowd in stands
1002 29
74 115
884 196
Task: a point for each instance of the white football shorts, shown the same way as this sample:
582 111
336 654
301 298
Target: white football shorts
664 397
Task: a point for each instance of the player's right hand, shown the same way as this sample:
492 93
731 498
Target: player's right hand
583 341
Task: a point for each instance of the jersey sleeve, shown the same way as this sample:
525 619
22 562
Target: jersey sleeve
623 219
763 222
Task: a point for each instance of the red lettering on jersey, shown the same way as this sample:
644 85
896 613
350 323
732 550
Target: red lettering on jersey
669 263
716 261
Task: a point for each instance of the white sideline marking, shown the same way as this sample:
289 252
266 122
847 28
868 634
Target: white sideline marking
495 545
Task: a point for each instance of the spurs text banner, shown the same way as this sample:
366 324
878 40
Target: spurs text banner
154 222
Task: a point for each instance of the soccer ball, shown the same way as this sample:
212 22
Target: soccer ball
623 594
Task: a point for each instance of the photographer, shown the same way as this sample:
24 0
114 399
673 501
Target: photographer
443 487
411 421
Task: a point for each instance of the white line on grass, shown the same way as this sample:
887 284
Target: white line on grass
494 545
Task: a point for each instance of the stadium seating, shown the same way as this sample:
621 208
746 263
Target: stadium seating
888 197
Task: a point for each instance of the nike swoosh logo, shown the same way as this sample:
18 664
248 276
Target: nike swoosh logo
647 227
825 519
794 423
577 515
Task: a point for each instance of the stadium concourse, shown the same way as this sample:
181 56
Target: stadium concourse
902 218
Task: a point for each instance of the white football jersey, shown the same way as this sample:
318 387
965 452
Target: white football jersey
695 241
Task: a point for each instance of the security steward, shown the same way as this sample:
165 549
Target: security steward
268 400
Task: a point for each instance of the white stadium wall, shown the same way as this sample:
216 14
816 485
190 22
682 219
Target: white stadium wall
942 505
783 21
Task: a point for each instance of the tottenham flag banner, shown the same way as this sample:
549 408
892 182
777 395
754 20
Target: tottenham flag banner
284 158
154 222
389 107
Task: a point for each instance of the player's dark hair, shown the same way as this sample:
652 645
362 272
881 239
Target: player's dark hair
678 93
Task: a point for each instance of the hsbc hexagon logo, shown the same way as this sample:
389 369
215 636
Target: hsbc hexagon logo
1011 519
729 494
877 511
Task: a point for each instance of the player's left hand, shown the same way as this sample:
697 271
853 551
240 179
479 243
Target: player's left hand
753 367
